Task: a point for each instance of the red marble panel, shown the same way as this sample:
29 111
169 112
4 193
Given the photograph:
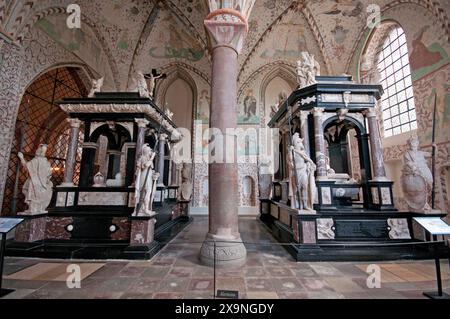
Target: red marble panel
56 228
31 230
124 228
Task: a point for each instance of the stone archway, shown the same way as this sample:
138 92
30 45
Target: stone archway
41 121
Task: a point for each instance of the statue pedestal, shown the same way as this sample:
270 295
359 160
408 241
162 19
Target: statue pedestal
32 229
142 230
304 229
381 195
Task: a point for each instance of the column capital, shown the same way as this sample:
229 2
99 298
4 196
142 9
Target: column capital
370 112
74 123
318 111
142 122
227 27
304 116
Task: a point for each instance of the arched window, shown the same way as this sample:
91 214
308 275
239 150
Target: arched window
41 121
399 113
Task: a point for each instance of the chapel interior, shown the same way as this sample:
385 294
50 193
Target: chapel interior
289 144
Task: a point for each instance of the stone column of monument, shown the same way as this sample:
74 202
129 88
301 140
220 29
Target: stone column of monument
142 129
304 130
319 144
161 158
227 29
379 171
71 151
174 178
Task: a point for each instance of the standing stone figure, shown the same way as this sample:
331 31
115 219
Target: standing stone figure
145 181
142 87
417 179
186 184
304 169
307 70
96 87
282 96
38 187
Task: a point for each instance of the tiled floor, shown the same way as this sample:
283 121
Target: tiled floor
270 273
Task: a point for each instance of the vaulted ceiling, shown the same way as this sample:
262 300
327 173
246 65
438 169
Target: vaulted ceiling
123 29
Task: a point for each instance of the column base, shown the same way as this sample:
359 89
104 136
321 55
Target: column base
228 253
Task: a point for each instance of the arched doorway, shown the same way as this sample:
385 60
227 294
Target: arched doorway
347 144
41 121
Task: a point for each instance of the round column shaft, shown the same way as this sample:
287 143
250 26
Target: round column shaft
72 149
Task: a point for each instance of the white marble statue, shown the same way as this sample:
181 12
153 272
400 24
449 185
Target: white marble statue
145 182
186 183
307 70
169 113
96 87
142 86
38 187
417 179
304 169
282 97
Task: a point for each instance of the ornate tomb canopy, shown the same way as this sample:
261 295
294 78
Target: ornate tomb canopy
332 94
123 107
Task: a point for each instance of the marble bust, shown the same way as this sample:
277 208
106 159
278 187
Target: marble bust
303 168
307 70
38 187
145 182
417 179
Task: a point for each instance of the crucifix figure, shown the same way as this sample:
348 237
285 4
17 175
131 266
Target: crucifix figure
153 76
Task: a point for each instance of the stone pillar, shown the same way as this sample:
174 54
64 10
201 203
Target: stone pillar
11 89
379 171
174 178
142 129
320 144
227 38
71 152
305 130
161 159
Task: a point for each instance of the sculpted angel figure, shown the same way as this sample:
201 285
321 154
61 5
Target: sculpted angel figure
145 182
303 168
96 87
38 187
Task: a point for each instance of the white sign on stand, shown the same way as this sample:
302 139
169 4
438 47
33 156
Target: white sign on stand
433 225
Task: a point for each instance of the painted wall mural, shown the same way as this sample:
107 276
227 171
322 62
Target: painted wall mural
248 111
436 84
173 42
203 107
289 41
80 42
426 58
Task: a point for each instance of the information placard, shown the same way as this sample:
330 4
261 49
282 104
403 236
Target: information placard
8 224
434 225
